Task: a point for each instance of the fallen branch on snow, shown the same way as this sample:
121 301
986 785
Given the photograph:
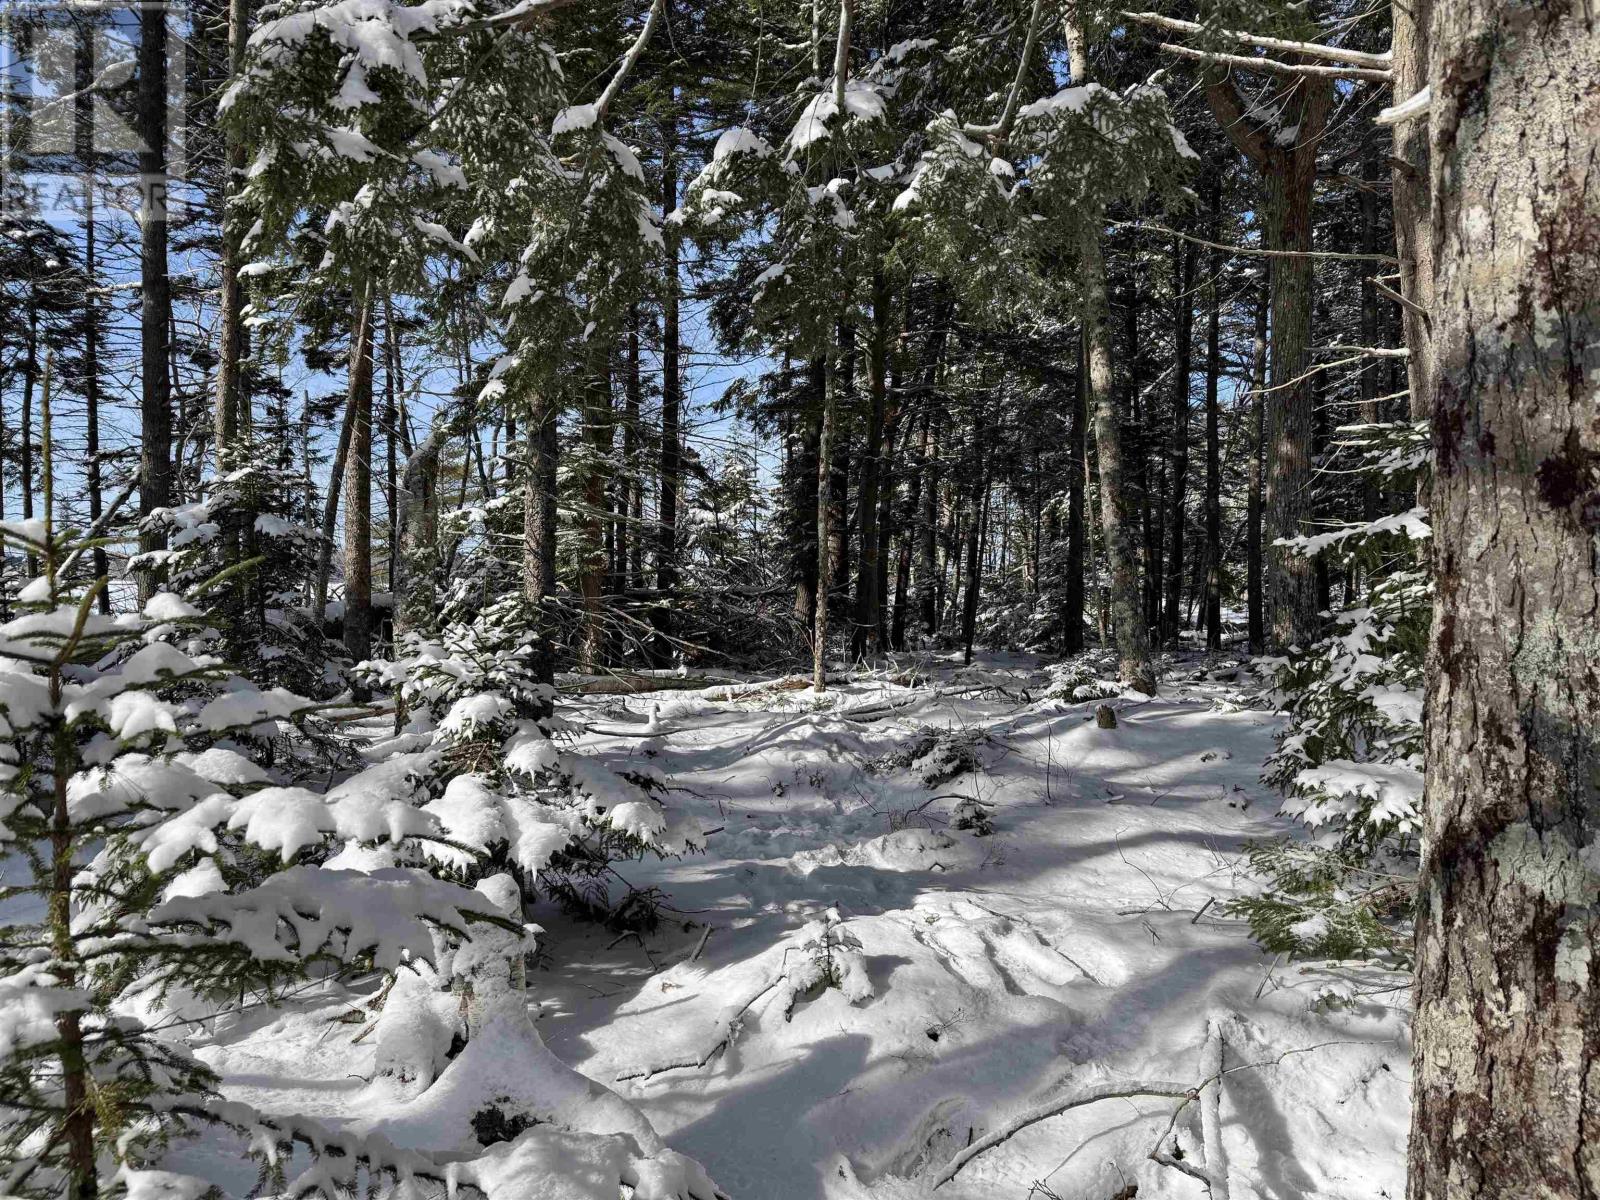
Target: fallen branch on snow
1208 1091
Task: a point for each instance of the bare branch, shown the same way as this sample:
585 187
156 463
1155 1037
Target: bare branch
1385 290
628 60
1014 98
1255 251
1248 62
1051 1108
1358 58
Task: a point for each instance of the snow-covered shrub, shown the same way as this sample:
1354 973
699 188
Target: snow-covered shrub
1088 676
169 875
1350 760
257 516
936 756
973 816
482 753
829 956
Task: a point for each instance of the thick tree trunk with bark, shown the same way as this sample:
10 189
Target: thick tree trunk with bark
1077 528
1256 601
155 293
358 490
226 417
928 597
1183 321
803 501
599 432
1413 223
1507 1061
91 393
30 378
864 629
671 411
1213 554
630 495
1288 174
977 529
417 549
1133 641
540 451
819 629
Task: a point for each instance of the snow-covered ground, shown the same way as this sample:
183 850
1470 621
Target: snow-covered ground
1079 943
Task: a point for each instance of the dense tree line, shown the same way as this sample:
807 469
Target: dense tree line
695 334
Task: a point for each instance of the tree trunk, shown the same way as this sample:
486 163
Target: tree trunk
928 598
1413 224
630 494
1291 576
1506 1091
819 637
1258 382
1183 320
417 550
803 501
1133 644
864 630
30 375
230 304
902 569
1077 528
330 509
91 392
1213 555
391 438
155 294
540 451
599 432
1289 176
671 410
358 489
977 528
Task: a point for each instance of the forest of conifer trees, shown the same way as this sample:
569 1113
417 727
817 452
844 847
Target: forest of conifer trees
840 600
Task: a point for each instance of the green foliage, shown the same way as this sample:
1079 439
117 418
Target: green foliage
1325 903
1350 759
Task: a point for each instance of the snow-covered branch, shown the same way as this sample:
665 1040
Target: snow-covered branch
1338 54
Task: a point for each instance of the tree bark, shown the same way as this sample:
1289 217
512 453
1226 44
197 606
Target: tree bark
1213 555
1256 601
1133 643
928 579
417 551
358 489
30 376
671 409
231 339
977 529
630 495
803 501
819 636
599 432
155 293
1506 1091
1183 320
864 631
1077 527
1288 186
91 392
391 439
540 449
908 541
1413 222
